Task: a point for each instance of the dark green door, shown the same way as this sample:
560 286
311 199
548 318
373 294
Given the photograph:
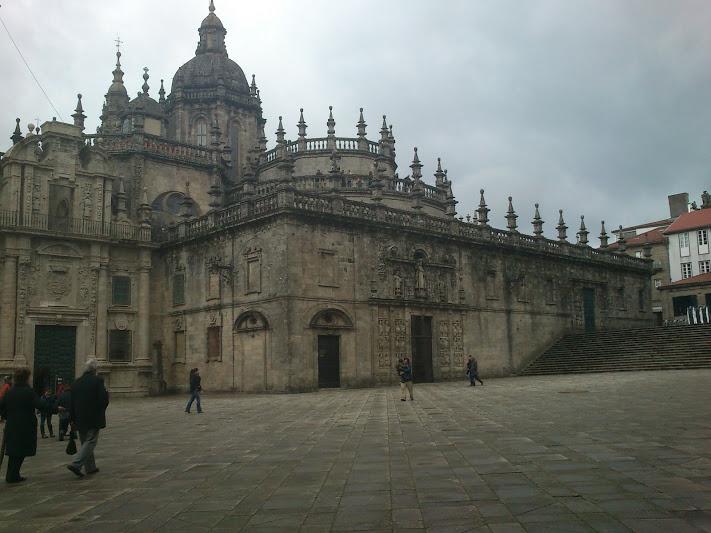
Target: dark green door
421 328
589 309
329 361
55 349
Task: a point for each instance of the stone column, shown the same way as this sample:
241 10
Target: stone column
9 308
144 309
102 304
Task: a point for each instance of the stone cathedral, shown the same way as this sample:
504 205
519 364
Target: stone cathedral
175 237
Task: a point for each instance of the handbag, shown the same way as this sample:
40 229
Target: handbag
2 446
71 447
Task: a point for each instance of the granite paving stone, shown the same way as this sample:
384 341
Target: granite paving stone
552 453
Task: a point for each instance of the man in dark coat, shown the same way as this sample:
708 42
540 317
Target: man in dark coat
88 412
473 371
18 407
195 389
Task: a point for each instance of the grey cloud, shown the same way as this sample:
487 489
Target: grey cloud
599 107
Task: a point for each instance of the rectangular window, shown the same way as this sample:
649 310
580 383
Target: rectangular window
201 133
705 266
702 237
686 271
120 345
638 254
254 275
641 300
213 284
179 289
179 346
550 292
121 290
491 286
214 343
621 298
684 244
657 283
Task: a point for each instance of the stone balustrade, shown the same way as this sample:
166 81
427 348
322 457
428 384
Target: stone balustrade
286 200
323 144
39 223
153 145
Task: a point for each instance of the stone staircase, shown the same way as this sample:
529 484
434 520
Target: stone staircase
658 348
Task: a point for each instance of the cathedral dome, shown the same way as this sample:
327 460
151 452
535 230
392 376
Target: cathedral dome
211 67
209 70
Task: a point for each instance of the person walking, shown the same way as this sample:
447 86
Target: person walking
46 414
88 412
195 390
18 407
64 404
473 371
405 373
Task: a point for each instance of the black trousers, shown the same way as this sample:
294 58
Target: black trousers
13 468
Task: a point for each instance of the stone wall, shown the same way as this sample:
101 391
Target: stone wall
364 282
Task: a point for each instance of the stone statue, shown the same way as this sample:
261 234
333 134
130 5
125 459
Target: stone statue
420 275
705 200
397 282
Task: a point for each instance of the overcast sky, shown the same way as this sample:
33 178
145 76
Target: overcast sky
599 107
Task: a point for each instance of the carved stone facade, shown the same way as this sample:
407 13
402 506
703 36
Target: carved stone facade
173 238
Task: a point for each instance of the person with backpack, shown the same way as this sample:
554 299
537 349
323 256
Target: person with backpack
404 370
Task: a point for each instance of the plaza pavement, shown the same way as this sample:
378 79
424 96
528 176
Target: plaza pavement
604 452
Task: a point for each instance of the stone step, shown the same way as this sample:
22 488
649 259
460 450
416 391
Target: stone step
675 347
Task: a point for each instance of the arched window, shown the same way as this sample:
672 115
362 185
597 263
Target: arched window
201 132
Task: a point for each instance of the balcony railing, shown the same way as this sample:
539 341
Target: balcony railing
292 201
35 222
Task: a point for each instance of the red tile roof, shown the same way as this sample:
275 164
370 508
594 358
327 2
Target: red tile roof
689 221
654 236
656 223
699 279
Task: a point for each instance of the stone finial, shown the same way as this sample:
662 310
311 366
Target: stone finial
161 93
561 227
621 241
281 133
440 175
302 125
331 123
186 203
215 193
145 86
384 131
537 224
78 115
583 232
212 6
482 211
145 210
17 134
511 217
416 167
118 73
604 239
253 87
361 125
121 209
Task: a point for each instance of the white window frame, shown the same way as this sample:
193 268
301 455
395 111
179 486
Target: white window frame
657 283
705 266
702 239
684 248
687 270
